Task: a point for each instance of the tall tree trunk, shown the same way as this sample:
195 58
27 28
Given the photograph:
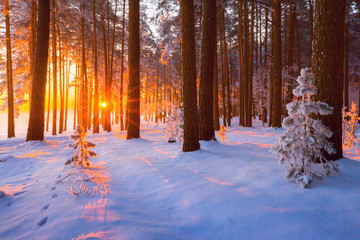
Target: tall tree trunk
241 63
271 73
111 66
250 68
226 71
277 78
311 20
134 70
49 95
223 74
90 100
122 127
265 110
9 75
84 83
216 91
96 90
208 47
104 114
61 78
188 74
346 66
36 118
246 50
54 56
76 80
298 50
164 96
67 89
32 37
290 49
157 95
328 64
113 42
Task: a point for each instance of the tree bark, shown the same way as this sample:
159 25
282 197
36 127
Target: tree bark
36 118
241 63
32 37
122 127
216 92
311 20
96 80
61 80
84 82
48 99
328 64
54 56
9 74
208 47
277 66
134 70
346 67
188 75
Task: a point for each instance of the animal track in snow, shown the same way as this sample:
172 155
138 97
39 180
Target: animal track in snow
43 221
46 207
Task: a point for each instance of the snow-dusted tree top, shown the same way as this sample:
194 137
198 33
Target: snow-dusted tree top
305 138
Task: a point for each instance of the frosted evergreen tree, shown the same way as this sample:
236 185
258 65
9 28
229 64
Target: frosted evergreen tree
179 130
305 138
81 156
172 123
175 128
350 126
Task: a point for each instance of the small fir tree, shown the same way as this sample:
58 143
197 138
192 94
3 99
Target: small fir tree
175 121
305 137
179 129
81 156
350 119
172 123
222 132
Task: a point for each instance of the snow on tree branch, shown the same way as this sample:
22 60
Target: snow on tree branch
305 138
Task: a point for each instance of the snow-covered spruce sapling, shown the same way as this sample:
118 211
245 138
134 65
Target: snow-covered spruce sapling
176 124
350 126
82 154
305 138
172 122
222 133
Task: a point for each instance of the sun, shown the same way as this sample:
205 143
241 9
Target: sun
103 104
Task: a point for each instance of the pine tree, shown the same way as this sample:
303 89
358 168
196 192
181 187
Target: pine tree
305 138
81 156
328 62
208 47
96 88
134 71
122 127
277 65
188 74
9 74
37 107
54 69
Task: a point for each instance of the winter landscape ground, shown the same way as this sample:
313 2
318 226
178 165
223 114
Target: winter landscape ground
228 190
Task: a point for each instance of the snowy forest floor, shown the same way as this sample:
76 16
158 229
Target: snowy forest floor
228 190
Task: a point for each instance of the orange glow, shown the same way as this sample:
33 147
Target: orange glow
98 211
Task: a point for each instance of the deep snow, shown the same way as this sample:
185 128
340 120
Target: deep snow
230 190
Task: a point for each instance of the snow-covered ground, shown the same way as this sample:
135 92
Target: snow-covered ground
228 190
